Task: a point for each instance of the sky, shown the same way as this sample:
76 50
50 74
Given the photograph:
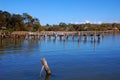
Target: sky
68 11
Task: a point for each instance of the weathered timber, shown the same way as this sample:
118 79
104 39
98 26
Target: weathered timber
46 67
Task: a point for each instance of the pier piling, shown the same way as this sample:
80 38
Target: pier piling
46 67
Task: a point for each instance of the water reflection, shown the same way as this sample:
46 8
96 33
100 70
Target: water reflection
31 44
47 77
59 50
44 77
54 40
9 43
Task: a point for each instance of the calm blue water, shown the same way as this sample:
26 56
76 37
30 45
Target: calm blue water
68 59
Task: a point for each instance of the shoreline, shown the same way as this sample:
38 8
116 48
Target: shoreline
49 32
59 32
17 34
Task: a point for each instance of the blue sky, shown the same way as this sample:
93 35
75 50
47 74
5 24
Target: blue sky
68 11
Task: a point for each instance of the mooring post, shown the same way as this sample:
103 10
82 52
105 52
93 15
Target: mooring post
46 67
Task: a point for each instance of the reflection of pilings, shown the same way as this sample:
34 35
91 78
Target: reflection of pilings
60 36
64 38
67 37
49 36
47 77
63 35
98 41
79 38
95 37
102 35
98 36
88 33
94 45
85 37
55 36
5 42
54 40
91 35
1 36
1 44
73 37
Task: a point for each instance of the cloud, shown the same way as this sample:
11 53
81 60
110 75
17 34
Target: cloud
98 22
76 22
95 22
87 21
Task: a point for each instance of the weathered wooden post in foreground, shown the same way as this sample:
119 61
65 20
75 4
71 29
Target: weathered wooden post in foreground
45 66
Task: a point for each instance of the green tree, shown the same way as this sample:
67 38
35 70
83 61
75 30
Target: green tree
63 25
17 21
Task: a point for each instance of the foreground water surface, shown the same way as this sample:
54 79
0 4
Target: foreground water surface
70 59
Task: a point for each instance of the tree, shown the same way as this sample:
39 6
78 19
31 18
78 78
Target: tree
17 21
63 25
114 25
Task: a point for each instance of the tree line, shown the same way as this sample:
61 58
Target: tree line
82 27
25 22
17 22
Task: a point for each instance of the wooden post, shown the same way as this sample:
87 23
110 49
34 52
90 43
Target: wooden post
46 67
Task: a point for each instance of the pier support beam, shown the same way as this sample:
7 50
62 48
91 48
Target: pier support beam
45 65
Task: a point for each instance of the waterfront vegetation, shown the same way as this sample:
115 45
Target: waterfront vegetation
25 22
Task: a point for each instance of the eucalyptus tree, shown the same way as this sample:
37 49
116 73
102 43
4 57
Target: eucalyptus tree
17 21
63 25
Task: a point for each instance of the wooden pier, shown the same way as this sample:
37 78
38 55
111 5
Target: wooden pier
49 34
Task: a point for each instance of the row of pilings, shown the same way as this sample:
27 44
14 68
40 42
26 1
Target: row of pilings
49 34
